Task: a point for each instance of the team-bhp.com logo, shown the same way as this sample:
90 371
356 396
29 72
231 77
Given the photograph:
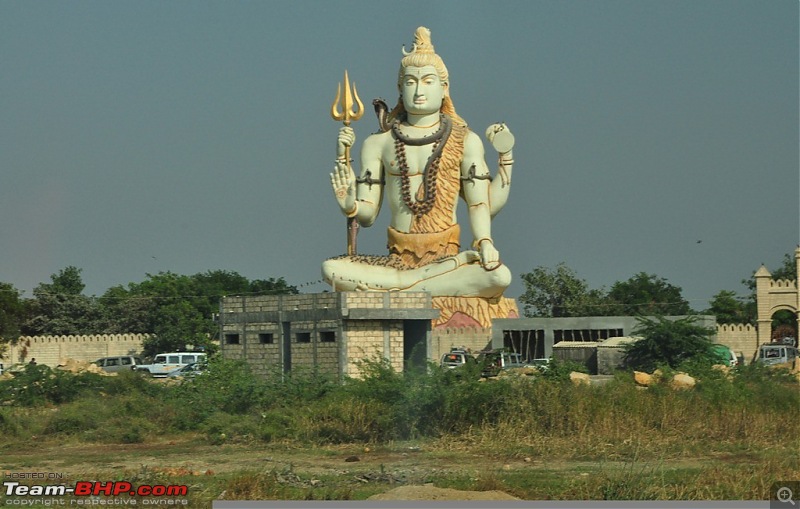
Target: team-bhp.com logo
95 489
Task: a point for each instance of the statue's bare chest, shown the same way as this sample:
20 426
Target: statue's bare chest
413 156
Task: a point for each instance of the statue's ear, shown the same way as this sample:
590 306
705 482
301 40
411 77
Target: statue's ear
446 86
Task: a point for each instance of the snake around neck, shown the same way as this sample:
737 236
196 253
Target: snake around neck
421 205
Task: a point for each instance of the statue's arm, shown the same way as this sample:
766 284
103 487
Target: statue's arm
503 141
475 188
359 198
369 191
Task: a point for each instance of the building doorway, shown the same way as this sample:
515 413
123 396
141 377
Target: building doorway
415 344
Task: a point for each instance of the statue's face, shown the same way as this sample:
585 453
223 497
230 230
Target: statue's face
422 90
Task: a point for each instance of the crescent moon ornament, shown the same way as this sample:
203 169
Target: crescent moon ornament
413 49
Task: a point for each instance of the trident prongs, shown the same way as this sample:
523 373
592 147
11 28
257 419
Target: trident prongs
347 113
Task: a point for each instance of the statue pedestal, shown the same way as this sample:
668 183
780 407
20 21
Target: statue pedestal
457 312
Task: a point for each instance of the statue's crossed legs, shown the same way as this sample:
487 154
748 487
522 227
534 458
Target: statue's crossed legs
460 275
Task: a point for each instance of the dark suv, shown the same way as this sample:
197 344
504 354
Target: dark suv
494 361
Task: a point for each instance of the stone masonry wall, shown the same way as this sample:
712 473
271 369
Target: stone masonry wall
377 300
328 337
740 338
265 358
52 350
366 340
473 338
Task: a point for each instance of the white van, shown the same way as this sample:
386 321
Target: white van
773 354
163 363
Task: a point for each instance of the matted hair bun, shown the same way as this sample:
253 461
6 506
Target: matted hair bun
422 42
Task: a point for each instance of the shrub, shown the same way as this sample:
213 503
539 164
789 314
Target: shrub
39 385
559 370
226 385
669 342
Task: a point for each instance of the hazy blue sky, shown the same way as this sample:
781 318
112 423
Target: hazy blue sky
186 136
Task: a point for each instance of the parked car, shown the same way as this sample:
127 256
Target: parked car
542 364
773 354
457 357
118 363
188 371
494 361
723 354
164 363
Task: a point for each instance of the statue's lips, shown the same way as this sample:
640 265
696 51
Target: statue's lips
420 101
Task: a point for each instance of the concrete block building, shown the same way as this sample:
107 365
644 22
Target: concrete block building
329 332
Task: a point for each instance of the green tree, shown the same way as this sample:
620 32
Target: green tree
272 286
169 306
68 281
787 270
126 311
178 324
559 293
60 308
176 309
667 342
13 313
728 308
647 294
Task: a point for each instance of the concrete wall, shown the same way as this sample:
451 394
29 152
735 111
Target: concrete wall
611 355
583 353
553 329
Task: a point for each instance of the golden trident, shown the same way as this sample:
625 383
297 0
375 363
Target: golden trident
347 115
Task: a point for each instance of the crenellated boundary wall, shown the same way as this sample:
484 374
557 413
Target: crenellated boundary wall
52 350
472 339
740 338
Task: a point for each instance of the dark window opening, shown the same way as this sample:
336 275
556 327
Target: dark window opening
303 337
266 338
585 334
528 343
327 336
231 339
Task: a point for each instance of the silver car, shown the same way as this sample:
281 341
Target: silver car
188 371
118 363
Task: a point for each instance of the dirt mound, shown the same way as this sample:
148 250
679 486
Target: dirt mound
76 366
426 492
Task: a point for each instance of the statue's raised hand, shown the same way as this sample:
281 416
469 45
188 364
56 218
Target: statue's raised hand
343 182
499 135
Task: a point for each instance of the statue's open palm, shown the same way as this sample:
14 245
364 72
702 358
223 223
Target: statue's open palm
343 181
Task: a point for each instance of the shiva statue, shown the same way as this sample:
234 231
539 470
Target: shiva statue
423 159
